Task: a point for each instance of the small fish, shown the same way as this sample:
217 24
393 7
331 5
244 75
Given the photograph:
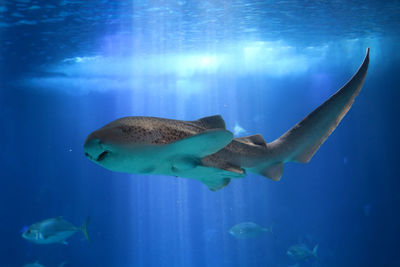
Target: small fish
37 264
54 230
247 230
302 252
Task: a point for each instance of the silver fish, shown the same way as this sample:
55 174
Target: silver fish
206 151
302 252
247 230
54 230
35 264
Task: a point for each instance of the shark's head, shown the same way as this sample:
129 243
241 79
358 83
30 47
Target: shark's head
122 146
95 149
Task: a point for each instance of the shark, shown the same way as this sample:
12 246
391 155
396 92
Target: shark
205 150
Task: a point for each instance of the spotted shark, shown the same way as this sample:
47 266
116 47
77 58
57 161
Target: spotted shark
204 150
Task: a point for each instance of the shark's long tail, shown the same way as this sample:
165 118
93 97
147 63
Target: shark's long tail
301 142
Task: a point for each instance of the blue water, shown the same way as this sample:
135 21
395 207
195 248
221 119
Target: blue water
69 67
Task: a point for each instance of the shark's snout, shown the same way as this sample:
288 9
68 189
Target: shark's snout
94 150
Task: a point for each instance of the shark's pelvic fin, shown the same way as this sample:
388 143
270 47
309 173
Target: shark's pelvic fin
211 122
301 142
273 171
234 169
216 184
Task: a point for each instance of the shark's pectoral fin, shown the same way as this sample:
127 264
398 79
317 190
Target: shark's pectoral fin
216 184
202 144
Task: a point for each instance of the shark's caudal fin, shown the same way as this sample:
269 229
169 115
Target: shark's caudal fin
269 230
84 228
314 251
301 142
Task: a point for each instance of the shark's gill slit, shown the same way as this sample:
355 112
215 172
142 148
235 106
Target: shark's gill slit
102 155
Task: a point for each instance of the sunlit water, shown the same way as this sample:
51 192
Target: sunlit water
70 67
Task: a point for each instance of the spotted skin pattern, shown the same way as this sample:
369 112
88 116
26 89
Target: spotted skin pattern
206 151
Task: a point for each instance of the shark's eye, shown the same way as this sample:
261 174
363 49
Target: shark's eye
28 231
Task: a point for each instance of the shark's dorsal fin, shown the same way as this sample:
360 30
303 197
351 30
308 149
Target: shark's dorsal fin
211 122
202 144
256 139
